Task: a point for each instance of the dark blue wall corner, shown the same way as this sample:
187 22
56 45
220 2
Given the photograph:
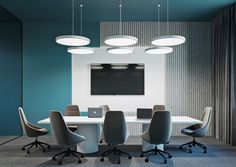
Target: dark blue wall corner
10 76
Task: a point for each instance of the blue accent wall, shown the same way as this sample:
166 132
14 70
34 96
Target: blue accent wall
47 67
10 76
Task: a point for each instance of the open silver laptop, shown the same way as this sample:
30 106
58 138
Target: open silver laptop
95 112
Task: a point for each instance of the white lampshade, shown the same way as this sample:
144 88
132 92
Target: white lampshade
168 40
120 50
159 50
72 40
121 40
81 50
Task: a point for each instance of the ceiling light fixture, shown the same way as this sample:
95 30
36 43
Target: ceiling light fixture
120 50
81 50
73 40
121 40
158 49
168 40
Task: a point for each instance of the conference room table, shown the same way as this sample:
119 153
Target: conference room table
89 128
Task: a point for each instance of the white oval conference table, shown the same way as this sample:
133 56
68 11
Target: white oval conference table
89 128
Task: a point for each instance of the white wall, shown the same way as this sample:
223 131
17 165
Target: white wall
154 81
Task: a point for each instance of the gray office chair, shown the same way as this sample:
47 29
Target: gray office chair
115 133
105 108
159 108
64 137
72 110
159 132
32 131
198 130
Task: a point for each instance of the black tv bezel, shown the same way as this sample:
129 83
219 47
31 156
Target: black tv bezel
90 72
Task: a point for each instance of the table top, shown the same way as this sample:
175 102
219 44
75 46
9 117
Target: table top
129 119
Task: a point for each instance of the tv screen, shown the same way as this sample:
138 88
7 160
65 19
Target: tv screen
117 79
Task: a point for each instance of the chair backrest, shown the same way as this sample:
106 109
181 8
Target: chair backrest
72 110
105 108
160 127
23 120
206 119
115 128
159 108
59 128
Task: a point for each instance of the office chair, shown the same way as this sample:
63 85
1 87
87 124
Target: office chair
64 137
115 133
198 130
32 131
158 108
105 108
159 132
72 110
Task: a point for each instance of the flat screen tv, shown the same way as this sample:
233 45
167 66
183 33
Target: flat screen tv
117 79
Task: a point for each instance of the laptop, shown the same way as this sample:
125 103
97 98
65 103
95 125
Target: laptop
144 113
95 112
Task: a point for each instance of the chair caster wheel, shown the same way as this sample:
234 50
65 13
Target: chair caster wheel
130 157
170 156
146 160
165 161
23 149
141 155
205 151
190 151
118 162
82 156
53 158
102 159
28 152
79 161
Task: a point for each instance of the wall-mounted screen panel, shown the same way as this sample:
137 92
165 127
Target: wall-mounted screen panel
117 79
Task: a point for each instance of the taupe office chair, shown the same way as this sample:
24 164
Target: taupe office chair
64 137
72 110
159 132
32 131
105 108
115 133
158 108
198 130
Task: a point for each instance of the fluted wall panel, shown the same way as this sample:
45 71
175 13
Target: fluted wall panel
188 70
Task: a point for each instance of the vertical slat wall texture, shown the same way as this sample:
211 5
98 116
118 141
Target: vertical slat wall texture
188 70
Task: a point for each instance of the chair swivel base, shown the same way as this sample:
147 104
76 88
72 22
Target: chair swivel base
155 151
116 152
193 144
67 153
36 143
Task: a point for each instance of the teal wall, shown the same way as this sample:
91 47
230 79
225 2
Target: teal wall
10 76
47 66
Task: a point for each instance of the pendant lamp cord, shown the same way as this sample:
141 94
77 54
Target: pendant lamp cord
167 15
81 17
158 19
120 24
73 17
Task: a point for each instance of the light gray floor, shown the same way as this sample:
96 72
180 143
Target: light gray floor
219 155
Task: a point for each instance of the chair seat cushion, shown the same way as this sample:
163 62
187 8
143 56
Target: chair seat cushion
187 131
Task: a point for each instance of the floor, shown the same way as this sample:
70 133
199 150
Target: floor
219 155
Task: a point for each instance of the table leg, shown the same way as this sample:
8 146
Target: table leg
147 146
91 133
